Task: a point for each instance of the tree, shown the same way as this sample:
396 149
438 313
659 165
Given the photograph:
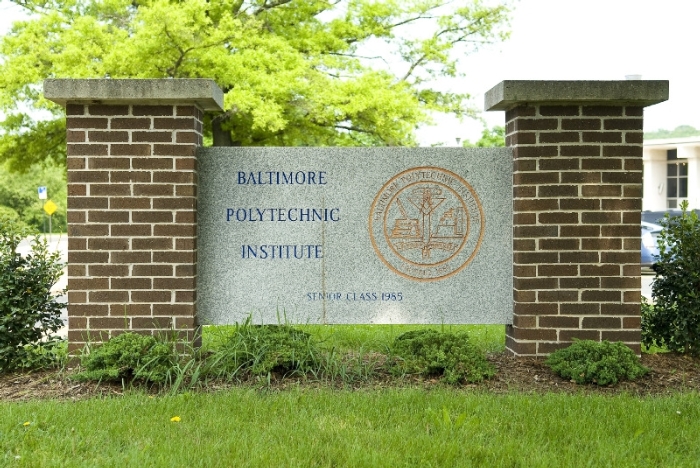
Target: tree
490 138
682 131
294 72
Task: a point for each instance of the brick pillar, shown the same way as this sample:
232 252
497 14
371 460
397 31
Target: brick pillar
577 199
132 206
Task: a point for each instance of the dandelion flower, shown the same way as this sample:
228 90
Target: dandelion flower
175 419
26 424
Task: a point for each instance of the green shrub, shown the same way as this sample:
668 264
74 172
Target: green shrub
674 321
602 363
260 349
29 312
430 352
130 356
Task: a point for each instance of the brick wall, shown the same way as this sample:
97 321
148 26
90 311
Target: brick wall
132 187
577 189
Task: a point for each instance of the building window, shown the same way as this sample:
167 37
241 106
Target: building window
676 179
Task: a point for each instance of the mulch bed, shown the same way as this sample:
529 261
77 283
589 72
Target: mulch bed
669 373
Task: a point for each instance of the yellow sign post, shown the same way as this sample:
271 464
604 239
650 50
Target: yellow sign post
50 208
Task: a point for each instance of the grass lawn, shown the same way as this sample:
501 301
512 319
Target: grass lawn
321 427
308 426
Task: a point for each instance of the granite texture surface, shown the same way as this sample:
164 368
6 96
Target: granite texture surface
355 235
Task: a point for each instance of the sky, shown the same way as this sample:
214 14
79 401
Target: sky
589 40
575 40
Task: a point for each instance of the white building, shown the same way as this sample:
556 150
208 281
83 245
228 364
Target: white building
671 173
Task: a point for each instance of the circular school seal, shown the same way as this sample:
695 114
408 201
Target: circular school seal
426 224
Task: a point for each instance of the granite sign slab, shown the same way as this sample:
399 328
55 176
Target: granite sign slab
355 235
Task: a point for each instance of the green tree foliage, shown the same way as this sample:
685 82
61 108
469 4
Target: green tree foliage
490 138
18 192
674 320
29 312
294 72
681 131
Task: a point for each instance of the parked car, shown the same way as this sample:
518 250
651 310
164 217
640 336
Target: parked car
655 217
650 249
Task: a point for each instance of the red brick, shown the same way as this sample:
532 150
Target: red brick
630 336
536 334
631 270
559 110
130 150
557 190
108 216
570 335
632 296
103 109
559 137
626 150
175 230
76 217
87 230
186 217
154 189
557 270
129 203
579 204
77 243
185 190
636 138
152 163
128 230
174 257
601 164
523 124
579 283
558 164
165 123
520 349
535 151
601 137
73 162
153 110
632 191
87 336
601 191
535 283
559 322
579 151
86 150
152 137
152 322
152 270
601 296
524 296
557 296
87 257
130 123
85 122
108 270
601 217
523 218
546 348
559 244
534 257
578 257
635 164
580 124
631 322
173 309
151 243
581 178
524 245
579 309
530 308
524 191
602 111
524 165
130 283
579 231
620 309
109 163
89 284
622 177
88 176
79 190
110 189
535 205
108 244
535 231
623 124
600 270
520 111
107 323
174 177
75 136
174 203
109 296
558 218
185 296
174 150
75 109
521 138
184 164
108 136
130 176
88 310
620 257
130 257
601 244
152 217
151 296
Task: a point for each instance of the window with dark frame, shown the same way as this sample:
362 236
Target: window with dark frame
676 179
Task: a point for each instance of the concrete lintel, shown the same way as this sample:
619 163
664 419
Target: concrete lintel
202 92
512 93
